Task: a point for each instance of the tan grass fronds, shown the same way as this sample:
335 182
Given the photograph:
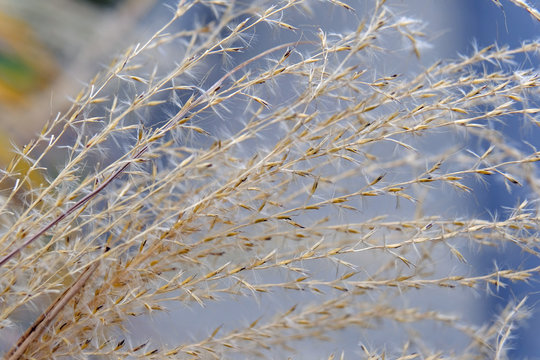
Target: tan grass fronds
525 5
304 173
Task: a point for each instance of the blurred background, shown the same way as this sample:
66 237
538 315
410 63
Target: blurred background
483 23
50 49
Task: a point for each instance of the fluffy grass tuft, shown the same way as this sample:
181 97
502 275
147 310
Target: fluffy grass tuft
211 166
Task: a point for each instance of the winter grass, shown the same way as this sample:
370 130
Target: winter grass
204 166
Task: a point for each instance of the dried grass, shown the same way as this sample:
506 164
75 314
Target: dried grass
304 166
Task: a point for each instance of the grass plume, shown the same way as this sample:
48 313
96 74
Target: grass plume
206 165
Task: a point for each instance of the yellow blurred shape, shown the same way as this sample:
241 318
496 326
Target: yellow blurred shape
25 65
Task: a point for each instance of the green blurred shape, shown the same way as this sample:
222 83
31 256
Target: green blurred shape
16 74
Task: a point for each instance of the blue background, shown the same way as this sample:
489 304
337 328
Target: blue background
486 24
